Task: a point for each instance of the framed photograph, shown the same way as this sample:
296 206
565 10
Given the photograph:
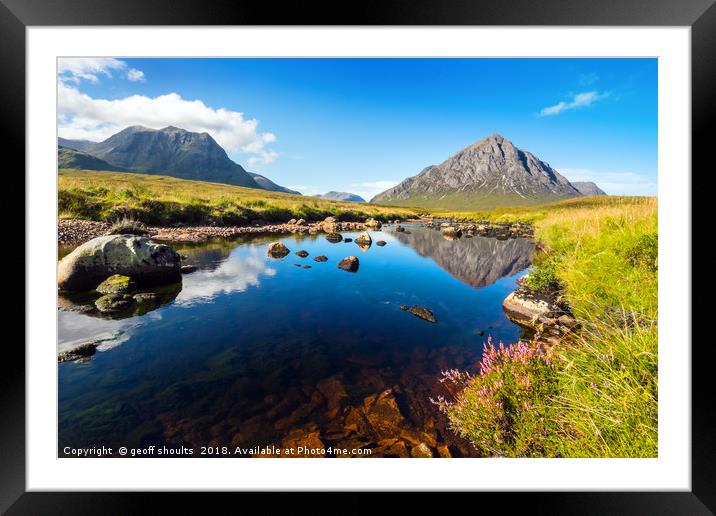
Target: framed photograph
449 242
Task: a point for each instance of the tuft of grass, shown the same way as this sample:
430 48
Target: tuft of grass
161 200
128 226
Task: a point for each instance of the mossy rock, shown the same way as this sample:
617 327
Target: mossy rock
113 303
117 284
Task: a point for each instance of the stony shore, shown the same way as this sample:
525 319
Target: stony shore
75 232
72 231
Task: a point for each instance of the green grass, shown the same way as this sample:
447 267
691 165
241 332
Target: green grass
469 201
162 200
602 252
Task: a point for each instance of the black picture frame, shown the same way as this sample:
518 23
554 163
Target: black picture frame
700 15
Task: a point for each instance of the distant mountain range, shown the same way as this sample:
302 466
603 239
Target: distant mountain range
340 196
588 188
170 151
487 174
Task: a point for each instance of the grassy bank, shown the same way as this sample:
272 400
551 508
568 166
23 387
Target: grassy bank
595 395
161 200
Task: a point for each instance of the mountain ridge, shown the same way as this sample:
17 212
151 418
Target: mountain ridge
174 152
340 196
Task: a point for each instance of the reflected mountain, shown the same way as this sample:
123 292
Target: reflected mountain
477 261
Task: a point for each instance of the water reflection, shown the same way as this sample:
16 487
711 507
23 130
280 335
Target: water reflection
477 261
222 274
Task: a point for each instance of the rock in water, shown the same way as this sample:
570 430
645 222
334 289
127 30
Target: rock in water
137 257
400 229
380 243
334 238
321 258
364 239
423 313
113 303
302 253
421 451
451 231
277 250
372 223
349 264
117 284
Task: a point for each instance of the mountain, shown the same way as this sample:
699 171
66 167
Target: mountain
71 158
588 188
489 173
173 152
340 196
267 184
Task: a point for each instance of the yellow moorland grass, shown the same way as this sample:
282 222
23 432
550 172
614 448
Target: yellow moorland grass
155 199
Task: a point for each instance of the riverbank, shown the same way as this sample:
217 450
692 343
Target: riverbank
593 394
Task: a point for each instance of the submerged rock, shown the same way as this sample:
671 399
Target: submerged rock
146 262
400 229
321 258
113 302
349 264
347 240
302 253
380 243
422 313
117 284
421 451
277 250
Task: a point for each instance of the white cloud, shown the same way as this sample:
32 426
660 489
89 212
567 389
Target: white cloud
83 117
614 183
89 69
369 189
135 75
578 101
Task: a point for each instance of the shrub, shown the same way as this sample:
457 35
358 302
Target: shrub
505 409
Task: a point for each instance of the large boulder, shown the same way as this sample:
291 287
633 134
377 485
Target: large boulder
146 262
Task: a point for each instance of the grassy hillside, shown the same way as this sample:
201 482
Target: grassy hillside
71 158
468 201
596 396
160 200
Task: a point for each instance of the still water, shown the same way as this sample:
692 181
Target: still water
252 351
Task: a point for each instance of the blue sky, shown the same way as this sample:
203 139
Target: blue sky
363 125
